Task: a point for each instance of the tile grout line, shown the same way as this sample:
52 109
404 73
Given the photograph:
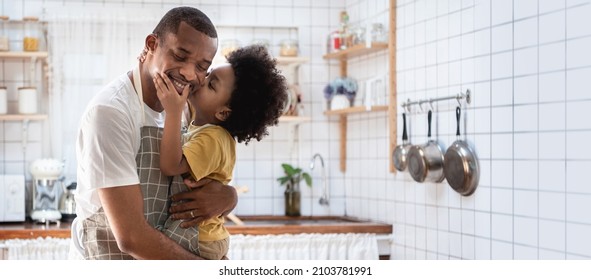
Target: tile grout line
490 134
565 137
538 132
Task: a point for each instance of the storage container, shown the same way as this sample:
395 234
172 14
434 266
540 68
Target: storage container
27 100
288 47
4 42
3 101
32 34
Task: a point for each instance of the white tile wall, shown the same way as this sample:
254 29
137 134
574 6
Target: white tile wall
530 86
527 66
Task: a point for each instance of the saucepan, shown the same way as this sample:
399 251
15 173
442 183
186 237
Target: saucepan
401 151
425 162
461 167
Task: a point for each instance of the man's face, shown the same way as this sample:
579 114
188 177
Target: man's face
184 57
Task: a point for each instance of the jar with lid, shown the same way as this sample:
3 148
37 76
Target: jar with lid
27 100
263 42
377 33
32 34
4 45
3 100
333 42
288 47
358 35
228 46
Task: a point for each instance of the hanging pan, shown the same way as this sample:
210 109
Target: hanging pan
425 162
461 167
401 151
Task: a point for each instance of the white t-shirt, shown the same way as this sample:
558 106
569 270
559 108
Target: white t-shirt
108 142
106 148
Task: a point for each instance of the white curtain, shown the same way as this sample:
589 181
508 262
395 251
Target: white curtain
87 49
36 249
348 246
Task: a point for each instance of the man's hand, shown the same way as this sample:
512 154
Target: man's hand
206 199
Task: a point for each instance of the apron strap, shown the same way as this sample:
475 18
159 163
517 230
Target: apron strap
137 82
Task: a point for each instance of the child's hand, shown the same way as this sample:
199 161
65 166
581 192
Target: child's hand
167 94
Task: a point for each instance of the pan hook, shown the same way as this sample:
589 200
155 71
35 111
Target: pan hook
459 99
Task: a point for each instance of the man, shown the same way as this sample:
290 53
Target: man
117 149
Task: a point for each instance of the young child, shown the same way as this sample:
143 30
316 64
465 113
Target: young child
237 102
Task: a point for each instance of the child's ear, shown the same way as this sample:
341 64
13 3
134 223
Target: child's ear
223 114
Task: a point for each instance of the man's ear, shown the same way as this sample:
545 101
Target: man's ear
151 43
223 114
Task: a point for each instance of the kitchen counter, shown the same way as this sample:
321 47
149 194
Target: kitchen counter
253 225
257 225
31 230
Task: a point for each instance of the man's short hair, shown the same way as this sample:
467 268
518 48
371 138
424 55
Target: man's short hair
195 18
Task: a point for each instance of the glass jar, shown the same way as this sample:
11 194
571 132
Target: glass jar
263 42
4 44
288 47
377 33
32 34
333 42
229 45
358 35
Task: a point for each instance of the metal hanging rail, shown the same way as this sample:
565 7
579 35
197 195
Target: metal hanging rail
406 105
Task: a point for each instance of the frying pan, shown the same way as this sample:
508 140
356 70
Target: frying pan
401 151
461 167
425 162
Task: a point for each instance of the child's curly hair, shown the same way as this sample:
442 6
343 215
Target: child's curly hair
260 92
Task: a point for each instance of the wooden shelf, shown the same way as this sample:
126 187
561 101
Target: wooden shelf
355 110
289 60
22 117
356 50
343 56
294 119
23 54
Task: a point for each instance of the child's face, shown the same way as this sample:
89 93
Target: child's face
211 100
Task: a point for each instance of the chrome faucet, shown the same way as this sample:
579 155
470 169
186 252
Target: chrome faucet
324 198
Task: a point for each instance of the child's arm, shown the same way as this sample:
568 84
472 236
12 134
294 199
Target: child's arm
172 161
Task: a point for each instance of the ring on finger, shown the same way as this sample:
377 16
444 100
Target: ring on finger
192 215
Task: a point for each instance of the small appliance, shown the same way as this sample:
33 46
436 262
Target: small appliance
47 182
12 198
68 204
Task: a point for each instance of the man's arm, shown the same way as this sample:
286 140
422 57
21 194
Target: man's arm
124 209
206 199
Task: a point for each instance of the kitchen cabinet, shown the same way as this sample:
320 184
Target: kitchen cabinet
35 58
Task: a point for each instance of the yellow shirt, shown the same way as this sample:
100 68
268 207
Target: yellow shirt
210 151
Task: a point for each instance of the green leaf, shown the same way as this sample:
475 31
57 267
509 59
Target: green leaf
289 170
308 179
283 180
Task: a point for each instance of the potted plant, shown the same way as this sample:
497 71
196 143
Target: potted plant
340 93
291 180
